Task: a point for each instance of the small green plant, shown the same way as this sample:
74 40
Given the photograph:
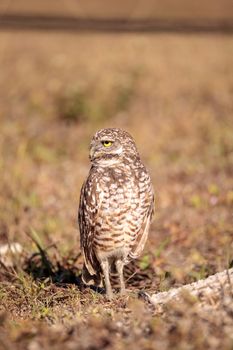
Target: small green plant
145 262
196 201
213 189
158 251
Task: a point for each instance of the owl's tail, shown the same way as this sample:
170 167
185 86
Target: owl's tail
91 279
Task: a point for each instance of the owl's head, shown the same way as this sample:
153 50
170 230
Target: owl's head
111 146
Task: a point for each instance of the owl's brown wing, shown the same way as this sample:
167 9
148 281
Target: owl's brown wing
143 233
88 211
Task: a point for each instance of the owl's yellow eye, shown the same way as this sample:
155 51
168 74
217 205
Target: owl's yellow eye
107 143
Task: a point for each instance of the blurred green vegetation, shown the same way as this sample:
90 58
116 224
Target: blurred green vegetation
81 104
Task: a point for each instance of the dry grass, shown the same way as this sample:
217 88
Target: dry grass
174 94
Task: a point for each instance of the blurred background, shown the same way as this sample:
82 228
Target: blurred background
162 70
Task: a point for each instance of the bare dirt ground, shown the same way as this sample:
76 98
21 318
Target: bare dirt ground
173 93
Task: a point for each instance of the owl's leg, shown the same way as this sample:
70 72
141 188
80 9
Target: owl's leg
119 268
105 269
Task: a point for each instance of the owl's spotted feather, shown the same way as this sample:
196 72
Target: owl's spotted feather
116 207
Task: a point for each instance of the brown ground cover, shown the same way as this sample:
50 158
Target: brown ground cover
173 93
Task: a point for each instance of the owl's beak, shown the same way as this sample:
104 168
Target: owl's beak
91 153
94 152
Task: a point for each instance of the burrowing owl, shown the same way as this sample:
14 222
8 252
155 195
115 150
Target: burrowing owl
116 207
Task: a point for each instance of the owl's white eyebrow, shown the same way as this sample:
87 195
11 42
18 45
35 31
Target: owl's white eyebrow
106 140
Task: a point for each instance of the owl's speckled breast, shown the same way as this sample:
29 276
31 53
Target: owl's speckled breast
123 206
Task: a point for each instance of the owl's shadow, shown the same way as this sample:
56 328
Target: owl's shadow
64 271
60 271
41 267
